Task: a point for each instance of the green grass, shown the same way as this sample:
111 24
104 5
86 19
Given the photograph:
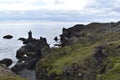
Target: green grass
113 73
66 55
77 53
6 74
11 78
74 56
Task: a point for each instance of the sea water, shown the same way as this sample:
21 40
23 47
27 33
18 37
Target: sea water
17 29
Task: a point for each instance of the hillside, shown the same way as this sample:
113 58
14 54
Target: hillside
7 74
87 52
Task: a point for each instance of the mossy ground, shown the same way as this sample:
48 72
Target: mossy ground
77 53
11 78
114 72
6 74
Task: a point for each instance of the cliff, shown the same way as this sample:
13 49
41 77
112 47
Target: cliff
87 52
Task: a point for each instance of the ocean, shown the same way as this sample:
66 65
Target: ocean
17 29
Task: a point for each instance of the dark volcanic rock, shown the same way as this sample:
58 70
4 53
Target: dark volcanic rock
18 67
29 54
6 61
21 52
100 52
22 39
71 35
8 37
29 74
87 33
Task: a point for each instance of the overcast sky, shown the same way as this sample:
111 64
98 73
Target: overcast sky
61 10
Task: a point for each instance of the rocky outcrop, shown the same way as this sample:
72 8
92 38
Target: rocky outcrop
77 62
81 60
30 74
22 39
100 53
87 33
29 54
8 37
71 35
6 62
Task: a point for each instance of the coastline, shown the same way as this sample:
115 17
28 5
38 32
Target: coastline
82 54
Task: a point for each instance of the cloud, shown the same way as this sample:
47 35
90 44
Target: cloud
60 10
43 4
6 5
59 16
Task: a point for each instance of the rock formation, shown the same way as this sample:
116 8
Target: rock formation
87 33
88 52
8 37
30 35
30 53
7 62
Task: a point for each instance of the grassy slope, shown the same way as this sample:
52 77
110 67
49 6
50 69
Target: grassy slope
8 75
66 55
114 72
78 52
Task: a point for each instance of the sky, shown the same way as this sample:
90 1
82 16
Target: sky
60 10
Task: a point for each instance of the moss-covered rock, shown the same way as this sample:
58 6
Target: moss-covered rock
7 74
88 52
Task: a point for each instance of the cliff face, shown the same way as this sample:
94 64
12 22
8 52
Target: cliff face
88 33
88 52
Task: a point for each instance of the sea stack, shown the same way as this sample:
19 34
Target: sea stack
30 35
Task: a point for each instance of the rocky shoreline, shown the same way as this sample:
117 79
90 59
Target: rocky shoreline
28 55
85 52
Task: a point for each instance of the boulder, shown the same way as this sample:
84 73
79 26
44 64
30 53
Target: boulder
19 66
8 37
6 61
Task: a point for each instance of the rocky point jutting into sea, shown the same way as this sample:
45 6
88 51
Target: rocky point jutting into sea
28 55
85 52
